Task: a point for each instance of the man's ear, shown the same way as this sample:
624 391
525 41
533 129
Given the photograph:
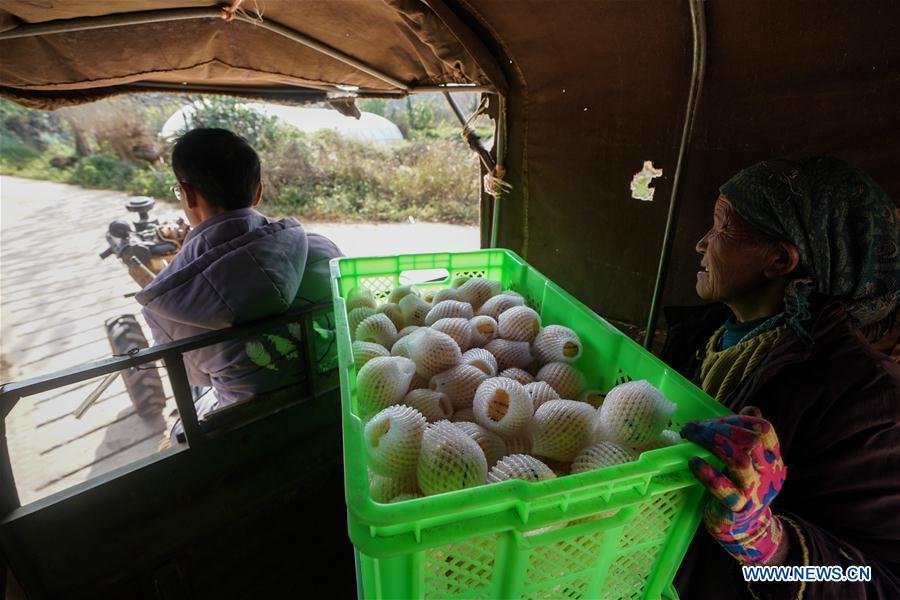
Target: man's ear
784 260
258 196
190 195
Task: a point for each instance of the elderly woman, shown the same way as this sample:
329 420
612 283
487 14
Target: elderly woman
804 255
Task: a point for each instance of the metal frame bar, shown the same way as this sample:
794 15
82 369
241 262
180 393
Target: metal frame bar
698 28
172 356
183 14
500 145
339 93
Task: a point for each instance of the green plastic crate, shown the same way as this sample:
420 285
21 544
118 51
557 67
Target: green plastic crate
615 533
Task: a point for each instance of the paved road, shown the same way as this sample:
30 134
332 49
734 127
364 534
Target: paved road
55 294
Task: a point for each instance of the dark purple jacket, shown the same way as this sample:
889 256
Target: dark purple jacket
836 409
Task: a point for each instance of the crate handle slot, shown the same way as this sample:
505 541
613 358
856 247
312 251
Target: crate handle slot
423 276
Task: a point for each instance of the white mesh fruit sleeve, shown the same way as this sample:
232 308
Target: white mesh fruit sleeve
562 428
510 354
449 309
457 328
635 413
592 397
477 291
450 460
520 444
568 381
399 293
381 382
484 329
540 392
520 466
384 489
378 329
519 323
517 374
495 306
393 313
401 347
444 294
463 415
602 454
491 444
363 352
433 352
459 384
413 309
418 383
556 343
482 359
503 406
357 316
393 439
434 406
360 297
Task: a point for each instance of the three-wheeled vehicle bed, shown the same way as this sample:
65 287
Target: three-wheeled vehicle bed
582 92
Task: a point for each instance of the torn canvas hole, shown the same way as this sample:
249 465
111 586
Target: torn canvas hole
640 183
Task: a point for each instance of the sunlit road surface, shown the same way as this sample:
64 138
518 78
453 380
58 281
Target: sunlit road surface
56 293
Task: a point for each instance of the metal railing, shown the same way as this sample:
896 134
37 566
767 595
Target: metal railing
172 357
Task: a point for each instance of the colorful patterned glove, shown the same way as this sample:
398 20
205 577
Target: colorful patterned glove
738 516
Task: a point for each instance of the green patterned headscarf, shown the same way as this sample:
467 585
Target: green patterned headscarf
842 222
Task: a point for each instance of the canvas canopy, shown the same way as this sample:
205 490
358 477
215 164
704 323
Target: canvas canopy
61 52
592 90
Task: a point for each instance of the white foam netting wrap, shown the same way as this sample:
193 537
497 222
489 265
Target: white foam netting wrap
459 384
393 439
363 352
433 352
568 381
378 329
495 306
450 460
503 406
556 343
449 309
519 323
484 329
434 406
562 428
457 328
491 444
634 413
381 382
510 354
602 454
477 291
482 359
520 466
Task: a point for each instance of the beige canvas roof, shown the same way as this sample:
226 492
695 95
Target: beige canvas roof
66 51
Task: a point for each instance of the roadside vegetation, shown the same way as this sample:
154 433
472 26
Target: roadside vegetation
114 144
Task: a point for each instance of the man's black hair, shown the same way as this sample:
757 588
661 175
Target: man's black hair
220 165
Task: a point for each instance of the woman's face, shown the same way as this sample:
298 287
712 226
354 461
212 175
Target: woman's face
732 261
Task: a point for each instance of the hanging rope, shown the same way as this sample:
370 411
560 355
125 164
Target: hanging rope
493 180
229 12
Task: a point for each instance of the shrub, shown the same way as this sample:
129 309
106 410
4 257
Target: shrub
16 153
103 171
260 131
155 182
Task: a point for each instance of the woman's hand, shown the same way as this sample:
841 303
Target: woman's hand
738 516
